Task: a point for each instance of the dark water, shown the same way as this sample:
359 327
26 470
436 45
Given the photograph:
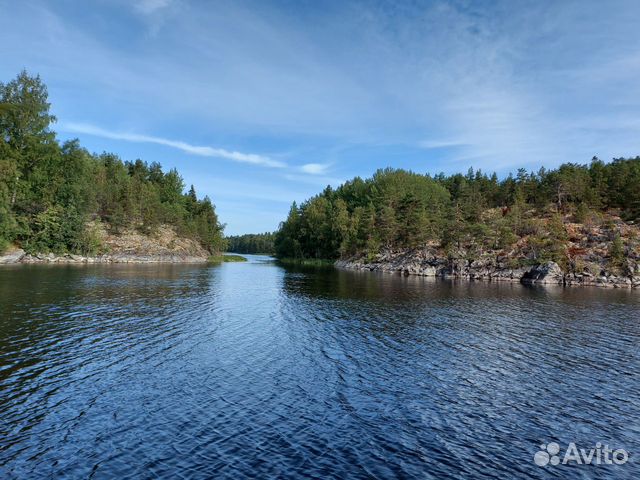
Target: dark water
256 371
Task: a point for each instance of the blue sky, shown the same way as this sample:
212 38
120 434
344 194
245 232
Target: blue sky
262 103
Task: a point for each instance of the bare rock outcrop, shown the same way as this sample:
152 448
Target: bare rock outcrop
130 246
431 262
12 257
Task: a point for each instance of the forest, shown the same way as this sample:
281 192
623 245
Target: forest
473 212
50 192
252 243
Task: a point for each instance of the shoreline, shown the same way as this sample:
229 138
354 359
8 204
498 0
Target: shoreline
403 264
548 273
20 257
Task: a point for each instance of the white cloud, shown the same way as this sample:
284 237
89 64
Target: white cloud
498 84
204 151
315 168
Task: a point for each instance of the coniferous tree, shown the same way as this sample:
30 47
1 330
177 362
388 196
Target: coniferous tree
49 192
472 212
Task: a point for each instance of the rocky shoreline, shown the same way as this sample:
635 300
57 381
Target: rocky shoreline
130 246
20 257
429 263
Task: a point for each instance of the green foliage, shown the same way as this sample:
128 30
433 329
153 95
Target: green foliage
8 226
582 213
616 253
49 192
89 241
252 243
226 259
307 262
557 242
469 213
233 258
394 208
56 229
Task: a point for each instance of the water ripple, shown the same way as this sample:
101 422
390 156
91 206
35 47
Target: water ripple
255 371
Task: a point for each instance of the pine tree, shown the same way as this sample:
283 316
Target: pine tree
616 253
387 225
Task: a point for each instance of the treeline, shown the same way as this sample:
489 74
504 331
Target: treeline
49 191
474 212
252 243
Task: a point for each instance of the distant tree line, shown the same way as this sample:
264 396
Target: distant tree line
475 212
49 191
252 243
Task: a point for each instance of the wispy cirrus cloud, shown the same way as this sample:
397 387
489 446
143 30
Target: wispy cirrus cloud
148 7
348 87
204 151
442 143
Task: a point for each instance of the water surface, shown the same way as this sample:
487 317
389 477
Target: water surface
255 370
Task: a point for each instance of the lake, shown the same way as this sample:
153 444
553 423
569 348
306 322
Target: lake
255 370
